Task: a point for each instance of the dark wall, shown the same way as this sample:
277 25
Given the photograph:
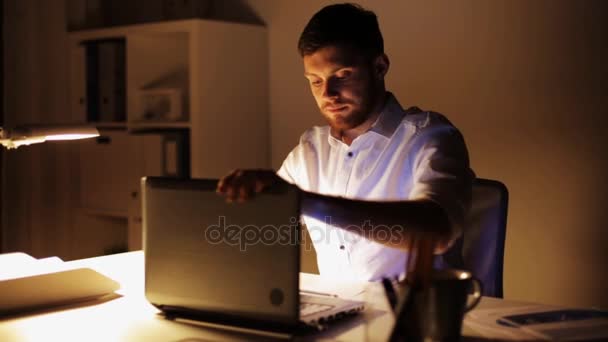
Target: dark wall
1 106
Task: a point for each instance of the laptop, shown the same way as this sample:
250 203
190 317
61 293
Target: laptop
234 264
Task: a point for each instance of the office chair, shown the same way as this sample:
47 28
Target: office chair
481 247
483 243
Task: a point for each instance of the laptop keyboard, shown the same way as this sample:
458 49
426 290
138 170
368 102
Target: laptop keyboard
308 308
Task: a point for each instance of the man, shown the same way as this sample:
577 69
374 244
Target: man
412 164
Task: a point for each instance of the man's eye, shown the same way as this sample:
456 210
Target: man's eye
316 83
342 77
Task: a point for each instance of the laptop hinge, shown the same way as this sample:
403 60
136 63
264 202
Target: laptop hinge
232 322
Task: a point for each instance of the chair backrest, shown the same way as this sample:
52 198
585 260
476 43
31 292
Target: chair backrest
483 242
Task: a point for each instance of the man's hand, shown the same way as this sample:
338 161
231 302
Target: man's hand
241 185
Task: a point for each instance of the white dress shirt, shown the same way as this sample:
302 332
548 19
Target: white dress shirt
405 155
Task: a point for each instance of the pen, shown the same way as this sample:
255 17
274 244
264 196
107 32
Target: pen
505 323
390 292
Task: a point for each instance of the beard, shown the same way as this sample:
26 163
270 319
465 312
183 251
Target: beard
349 118
355 113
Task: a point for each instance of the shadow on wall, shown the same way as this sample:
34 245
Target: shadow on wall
88 14
237 11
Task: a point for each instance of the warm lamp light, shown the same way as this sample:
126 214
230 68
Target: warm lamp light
27 135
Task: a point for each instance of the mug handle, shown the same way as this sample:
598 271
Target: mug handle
476 294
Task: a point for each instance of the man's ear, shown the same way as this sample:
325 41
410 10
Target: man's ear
381 65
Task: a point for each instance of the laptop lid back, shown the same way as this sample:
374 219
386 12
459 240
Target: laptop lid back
232 260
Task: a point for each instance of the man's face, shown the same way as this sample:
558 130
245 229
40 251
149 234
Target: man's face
343 84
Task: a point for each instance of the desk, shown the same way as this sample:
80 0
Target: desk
129 317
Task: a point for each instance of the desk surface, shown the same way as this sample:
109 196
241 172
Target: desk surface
127 316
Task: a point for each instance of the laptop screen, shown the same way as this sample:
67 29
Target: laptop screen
207 255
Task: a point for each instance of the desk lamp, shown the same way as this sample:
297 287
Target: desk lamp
34 134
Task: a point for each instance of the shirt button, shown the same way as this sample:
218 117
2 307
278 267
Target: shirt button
342 247
350 154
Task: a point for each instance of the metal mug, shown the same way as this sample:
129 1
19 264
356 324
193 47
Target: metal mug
436 313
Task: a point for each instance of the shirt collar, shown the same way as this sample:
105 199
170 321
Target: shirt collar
389 118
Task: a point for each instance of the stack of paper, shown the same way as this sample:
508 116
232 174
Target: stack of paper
27 283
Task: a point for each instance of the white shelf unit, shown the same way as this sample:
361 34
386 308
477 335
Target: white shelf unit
221 69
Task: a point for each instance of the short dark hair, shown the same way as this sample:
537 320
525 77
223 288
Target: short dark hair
348 25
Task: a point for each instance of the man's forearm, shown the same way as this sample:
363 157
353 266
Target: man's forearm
391 223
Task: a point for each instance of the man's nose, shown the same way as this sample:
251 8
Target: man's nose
330 89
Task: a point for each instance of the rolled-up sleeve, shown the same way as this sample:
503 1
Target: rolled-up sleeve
284 171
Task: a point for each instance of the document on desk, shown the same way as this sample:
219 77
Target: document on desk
540 322
27 283
19 265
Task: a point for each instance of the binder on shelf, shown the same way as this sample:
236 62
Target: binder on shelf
176 153
167 150
106 80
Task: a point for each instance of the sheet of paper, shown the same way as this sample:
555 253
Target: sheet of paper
20 265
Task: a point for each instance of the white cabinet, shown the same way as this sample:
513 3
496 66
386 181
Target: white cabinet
107 171
218 73
111 167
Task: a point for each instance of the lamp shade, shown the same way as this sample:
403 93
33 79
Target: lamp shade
33 134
